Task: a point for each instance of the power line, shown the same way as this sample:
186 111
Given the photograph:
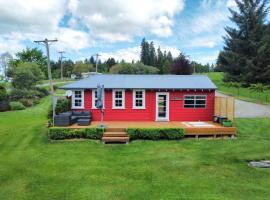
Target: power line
61 64
46 43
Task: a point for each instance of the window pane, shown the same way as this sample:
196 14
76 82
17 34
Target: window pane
189 97
139 103
189 106
78 94
200 101
189 101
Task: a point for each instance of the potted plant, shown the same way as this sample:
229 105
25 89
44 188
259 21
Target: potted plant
227 123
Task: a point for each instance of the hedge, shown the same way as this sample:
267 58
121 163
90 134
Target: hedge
155 133
58 133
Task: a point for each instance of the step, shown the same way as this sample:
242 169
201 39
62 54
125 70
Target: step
115 130
115 134
115 139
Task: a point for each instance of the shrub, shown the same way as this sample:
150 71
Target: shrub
155 133
4 105
16 105
26 102
3 93
57 133
17 94
63 105
43 91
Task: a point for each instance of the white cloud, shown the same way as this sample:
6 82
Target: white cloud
122 20
209 41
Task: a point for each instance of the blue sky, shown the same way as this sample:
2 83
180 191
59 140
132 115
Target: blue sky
115 28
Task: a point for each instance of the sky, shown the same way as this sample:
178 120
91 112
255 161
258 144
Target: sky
115 28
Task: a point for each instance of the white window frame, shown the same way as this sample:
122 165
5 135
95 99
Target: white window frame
134 99
195 98
94 99
123 99
73 99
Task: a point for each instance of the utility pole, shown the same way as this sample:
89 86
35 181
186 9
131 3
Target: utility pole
97 55
61 59
46 43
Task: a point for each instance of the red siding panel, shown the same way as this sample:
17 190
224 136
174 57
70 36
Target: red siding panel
177 110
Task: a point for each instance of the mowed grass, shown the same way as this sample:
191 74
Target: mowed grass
244 93
31 167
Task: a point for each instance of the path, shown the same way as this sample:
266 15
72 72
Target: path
245 109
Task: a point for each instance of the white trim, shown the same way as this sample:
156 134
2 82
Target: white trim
123 99
167 118
73 100
134 99
195 98
94 98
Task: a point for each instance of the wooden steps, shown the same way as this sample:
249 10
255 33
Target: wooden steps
115 135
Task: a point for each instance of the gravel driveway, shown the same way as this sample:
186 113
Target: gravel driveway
244 109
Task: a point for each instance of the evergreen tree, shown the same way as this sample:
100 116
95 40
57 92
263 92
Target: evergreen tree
170 57
152 54
145 52
160 59
92 60
241 57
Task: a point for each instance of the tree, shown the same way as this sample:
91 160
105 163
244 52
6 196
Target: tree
92 60
109 63
152 55
181 65
260 88
145 52
27 75
240 58
81 67
136 68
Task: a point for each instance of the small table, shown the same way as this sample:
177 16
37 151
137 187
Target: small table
83 122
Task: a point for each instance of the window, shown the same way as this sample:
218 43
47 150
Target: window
195 101
118 99
77 99
94 99
138 99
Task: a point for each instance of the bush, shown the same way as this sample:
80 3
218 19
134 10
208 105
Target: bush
57 133
17 94
4 105
16 105
43 90
26 102
3 93
63 105
155 133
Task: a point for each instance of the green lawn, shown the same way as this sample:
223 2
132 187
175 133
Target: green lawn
31 167
244 93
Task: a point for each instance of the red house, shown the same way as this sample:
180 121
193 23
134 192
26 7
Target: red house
146 97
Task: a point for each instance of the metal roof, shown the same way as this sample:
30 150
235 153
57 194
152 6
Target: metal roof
124 81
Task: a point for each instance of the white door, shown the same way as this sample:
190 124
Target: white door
162 106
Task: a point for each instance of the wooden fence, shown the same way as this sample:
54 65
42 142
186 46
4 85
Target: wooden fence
224 106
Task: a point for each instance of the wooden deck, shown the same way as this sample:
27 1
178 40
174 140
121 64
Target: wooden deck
191 128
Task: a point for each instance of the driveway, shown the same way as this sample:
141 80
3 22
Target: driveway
245 109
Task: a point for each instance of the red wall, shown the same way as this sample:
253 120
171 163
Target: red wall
177 110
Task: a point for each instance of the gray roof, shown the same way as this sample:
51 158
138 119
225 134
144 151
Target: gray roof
124 81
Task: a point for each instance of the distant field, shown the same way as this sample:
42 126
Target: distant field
244 93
